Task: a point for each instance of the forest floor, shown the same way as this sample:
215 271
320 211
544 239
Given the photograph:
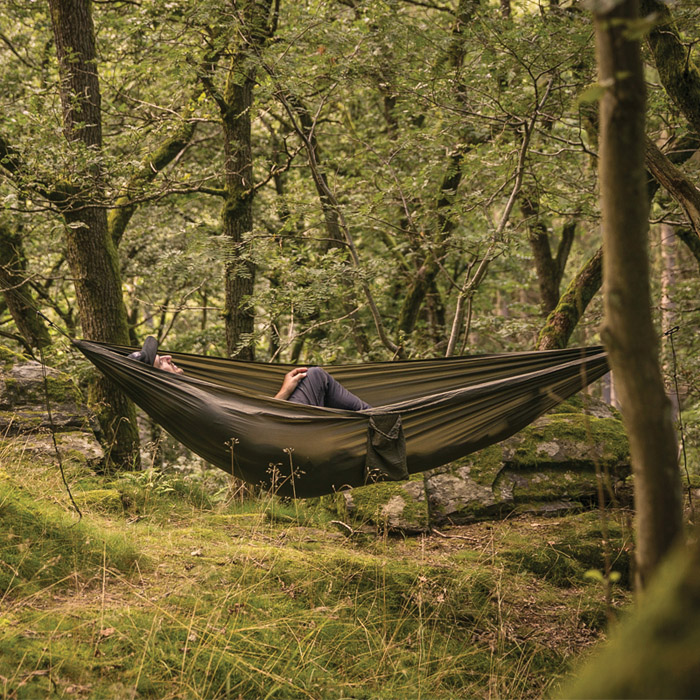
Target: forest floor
168 589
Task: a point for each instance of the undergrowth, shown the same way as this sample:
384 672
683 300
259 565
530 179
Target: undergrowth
168 588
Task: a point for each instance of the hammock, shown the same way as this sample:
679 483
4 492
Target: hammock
425 412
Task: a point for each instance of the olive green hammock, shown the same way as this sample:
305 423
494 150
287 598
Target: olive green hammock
426 412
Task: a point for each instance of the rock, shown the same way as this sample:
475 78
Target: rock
74 445
548 468
24 417
388 506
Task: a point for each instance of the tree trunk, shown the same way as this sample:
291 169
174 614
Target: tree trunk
675 183
562 321
667 246
628 332
235 103
15 289
549 268
331 217
90 251
237 218
654 651
678 73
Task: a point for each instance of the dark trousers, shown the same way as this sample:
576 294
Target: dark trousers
318 388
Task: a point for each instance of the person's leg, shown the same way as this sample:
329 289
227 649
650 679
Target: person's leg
337 396
318 388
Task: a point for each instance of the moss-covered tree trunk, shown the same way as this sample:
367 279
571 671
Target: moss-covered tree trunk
629 333
678 73
567 313
14 286
255 23
90 251
237 217
655 652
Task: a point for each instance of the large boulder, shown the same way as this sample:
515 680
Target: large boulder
25 423
550 467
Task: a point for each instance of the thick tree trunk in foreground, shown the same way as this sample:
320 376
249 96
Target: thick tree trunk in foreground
90 251
654 652
629 333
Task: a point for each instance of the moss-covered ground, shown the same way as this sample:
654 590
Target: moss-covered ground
169 588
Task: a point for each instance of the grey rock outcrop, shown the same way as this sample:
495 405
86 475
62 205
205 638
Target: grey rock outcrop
548 468
24 419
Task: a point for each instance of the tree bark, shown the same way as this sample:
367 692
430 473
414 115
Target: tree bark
678 186
90 251
255 24
15 288
571 306
628 333
549 268
667 247
678 73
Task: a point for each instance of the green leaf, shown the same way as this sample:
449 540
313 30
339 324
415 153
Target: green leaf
594 575
592 93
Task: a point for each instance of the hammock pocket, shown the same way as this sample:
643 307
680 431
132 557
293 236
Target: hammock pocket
426 412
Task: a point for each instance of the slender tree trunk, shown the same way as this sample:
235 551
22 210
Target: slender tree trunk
255 24
628 332
90 250
15 289
331 216
667 246
549 268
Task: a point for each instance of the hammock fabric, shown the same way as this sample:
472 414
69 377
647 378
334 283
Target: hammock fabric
425 412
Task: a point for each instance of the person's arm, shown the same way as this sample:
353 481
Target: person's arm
291 380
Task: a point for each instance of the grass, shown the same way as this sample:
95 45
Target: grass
172 588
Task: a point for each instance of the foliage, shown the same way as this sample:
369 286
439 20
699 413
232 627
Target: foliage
421 118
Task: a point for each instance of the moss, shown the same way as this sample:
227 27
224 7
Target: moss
40 545
243 604
655 652
61 389
573 547
604 435
484 465
9 357
101 500
531 486
378 504
548 563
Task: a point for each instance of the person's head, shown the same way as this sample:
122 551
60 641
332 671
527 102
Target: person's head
148 354
165 362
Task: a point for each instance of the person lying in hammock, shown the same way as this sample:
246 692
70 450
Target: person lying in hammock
312 386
